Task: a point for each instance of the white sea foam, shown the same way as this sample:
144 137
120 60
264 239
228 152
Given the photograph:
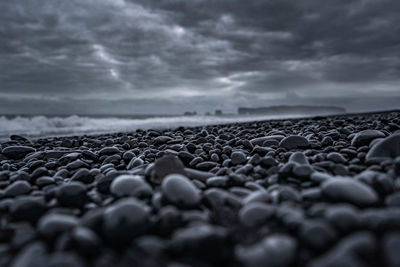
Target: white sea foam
73 125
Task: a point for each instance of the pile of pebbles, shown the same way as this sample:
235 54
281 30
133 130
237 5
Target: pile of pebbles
322 191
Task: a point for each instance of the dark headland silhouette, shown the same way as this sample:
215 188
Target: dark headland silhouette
287 110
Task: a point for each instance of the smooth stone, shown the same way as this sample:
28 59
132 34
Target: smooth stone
270 143
238 157
385 149
86 240
72 195
336 157
17 152
162 140
33 254
298 157
198 175
261 140
39 172
18 188
130 185
218 181
202 241
363 138
344 217
206 165
63 258
348 252
16 137
45 180
313 193
317 234
393 199
167 165
261 196
294 142
53 224
349 190
135 162
256 214
276 250
109 151
124 220
302 171
186 157
76 165
390 247
180 191
327 141
268 162
168 219
83 175
27 208
104 182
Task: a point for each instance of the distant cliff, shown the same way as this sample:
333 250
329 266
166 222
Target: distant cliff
283 110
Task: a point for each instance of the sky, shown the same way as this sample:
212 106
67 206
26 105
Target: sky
171 56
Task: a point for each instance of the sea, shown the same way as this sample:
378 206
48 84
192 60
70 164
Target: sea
49 125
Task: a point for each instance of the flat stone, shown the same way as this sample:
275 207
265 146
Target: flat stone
17 152
336 157
294 142
109 151
261 140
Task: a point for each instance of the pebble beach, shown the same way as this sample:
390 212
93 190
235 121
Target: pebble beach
315 192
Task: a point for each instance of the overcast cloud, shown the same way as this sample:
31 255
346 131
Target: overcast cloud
168 56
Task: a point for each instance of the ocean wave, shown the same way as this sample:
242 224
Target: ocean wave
74 125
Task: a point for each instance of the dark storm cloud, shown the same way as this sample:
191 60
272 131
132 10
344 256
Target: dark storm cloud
200 50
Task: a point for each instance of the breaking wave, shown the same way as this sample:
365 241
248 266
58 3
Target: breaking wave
73 125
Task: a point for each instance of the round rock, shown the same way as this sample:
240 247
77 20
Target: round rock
130 185
124 220
180 191
72 195
238 157
18 188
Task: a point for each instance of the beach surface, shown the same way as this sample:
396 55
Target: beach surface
320 191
